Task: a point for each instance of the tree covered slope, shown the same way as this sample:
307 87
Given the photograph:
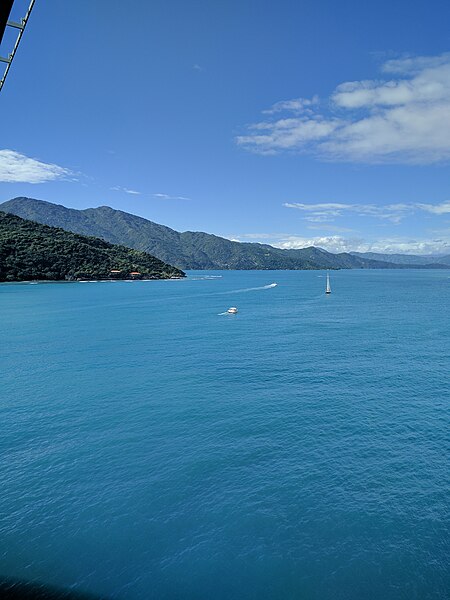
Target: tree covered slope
30 250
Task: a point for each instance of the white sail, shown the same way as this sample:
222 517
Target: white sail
328 289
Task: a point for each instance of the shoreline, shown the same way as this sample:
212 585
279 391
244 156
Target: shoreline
40 281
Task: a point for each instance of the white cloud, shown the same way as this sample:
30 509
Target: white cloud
18 168
414 64
169 197
437 209
408 246
118 188
332 243
296 105
336 243
402 119
288 134
328 211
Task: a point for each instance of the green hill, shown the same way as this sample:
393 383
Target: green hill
29 250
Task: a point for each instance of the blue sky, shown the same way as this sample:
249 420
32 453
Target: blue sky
283 122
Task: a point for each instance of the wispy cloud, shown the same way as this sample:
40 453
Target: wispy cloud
332 228
169 197
197 67
160 196
256 237
297 105
288 241
400 245
436 209
332 243
402 117
118 188
18 168
328 211
338 243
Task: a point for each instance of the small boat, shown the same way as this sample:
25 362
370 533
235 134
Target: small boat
328 288
232 310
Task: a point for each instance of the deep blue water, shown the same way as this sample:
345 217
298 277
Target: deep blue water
152 449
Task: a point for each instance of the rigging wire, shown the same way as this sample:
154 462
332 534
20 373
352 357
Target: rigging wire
21 28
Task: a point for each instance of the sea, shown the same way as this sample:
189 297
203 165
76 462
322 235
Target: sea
153 446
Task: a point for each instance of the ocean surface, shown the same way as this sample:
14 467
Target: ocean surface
154 448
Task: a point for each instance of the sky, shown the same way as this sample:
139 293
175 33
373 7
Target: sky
291 123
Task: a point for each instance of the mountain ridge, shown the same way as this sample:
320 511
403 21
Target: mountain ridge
188 249
406 259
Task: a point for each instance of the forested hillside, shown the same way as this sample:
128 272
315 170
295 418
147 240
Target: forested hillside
30 251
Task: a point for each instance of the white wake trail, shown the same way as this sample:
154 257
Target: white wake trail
253 289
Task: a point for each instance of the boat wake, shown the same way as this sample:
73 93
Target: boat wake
253 289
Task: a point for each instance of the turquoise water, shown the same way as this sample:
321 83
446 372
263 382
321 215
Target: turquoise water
154 449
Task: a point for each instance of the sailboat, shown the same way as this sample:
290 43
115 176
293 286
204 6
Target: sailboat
328 288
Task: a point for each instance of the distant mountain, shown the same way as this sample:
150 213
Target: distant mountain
405 259
29 250
187 250
344 260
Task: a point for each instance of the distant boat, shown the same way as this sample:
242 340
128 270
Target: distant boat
232 310
328 288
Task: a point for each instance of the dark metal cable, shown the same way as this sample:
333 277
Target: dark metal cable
21 28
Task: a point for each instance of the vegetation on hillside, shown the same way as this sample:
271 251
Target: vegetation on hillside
190 249
31 251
